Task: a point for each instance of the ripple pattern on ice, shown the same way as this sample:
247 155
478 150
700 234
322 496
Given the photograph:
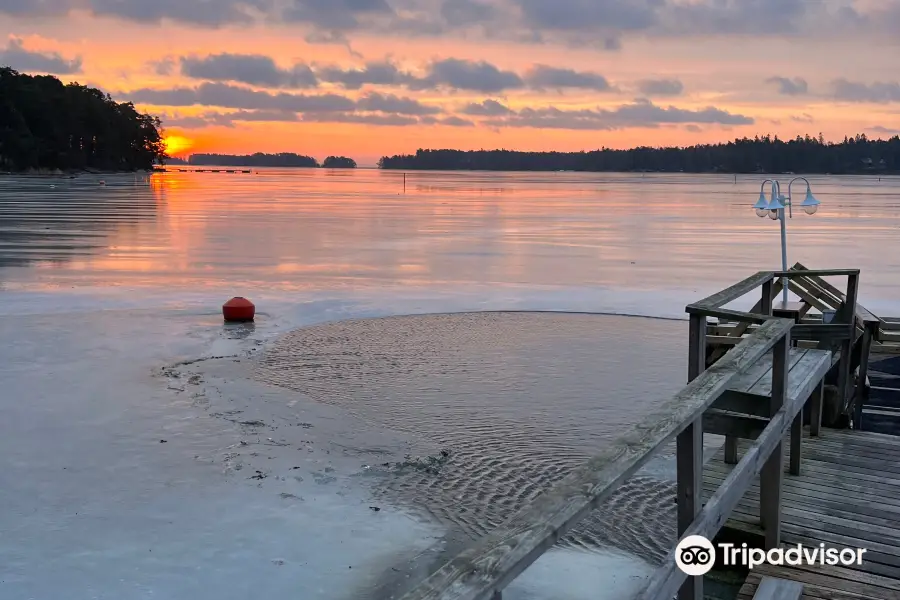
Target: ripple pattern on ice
518 400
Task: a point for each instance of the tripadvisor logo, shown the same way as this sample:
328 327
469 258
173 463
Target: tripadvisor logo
696 555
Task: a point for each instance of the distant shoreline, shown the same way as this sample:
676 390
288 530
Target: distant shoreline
69 172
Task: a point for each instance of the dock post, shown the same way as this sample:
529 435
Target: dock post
772 474
860 394
848 316
689 456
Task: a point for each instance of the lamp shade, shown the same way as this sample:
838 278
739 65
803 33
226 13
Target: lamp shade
762 203
775 204
809 200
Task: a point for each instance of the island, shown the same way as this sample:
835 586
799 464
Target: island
51 126
339 162
767 154
258 159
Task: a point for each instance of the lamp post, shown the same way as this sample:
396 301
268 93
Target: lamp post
775 207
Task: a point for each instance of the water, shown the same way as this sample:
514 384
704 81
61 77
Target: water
517 398
318 230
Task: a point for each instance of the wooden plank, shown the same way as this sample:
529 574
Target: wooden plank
807 296
863 374
835 507
850 574
807 368
753 374
725 340
822 491
730 424
796 443
862 315
689 456
499 557
799 515
772 472
689 474
824 580
735 291
823 332
722 313
772 588
815 409
816 273
743 403
667 579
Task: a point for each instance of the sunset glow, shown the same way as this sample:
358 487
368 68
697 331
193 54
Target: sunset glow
177 145
364 79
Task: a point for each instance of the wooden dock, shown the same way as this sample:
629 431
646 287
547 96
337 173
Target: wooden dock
847 495
755 377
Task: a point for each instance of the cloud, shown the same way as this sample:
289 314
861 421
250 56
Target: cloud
253 69
589 15
640 113
790 87
374 73
394 120
803 118
464 13
16 56
164 66
229 96
205 13
892 131
226 119
601 24
389 103
335 14
454 121
543 76
486 108
878 92
660 87
479 76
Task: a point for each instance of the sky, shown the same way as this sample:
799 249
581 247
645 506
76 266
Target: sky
367 78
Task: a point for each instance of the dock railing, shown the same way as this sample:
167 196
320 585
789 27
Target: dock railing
482 571
849 332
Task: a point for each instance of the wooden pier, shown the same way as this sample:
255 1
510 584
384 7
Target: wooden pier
787 390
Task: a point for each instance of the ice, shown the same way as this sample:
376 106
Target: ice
97 505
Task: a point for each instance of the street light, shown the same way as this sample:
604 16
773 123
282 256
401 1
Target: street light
775 207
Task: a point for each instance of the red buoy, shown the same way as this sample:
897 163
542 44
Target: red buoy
238 309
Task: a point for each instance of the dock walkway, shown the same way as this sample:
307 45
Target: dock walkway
847 495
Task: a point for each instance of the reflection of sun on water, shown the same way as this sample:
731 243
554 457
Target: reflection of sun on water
176 144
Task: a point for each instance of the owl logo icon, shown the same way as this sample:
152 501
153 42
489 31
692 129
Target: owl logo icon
695 555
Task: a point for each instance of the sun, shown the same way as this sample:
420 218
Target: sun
176 144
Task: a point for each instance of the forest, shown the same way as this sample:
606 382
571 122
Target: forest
45 124
259 159
767 154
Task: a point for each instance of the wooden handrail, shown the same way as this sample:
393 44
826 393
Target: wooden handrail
484 569
669 577
735 291
795 272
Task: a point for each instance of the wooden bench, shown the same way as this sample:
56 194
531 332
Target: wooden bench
744 409
775 588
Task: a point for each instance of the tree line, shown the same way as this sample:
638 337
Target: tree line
260 159
45 124
767 154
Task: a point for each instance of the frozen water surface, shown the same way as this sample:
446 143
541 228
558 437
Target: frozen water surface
112 343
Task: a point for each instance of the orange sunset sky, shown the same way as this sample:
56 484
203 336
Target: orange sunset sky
364 78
